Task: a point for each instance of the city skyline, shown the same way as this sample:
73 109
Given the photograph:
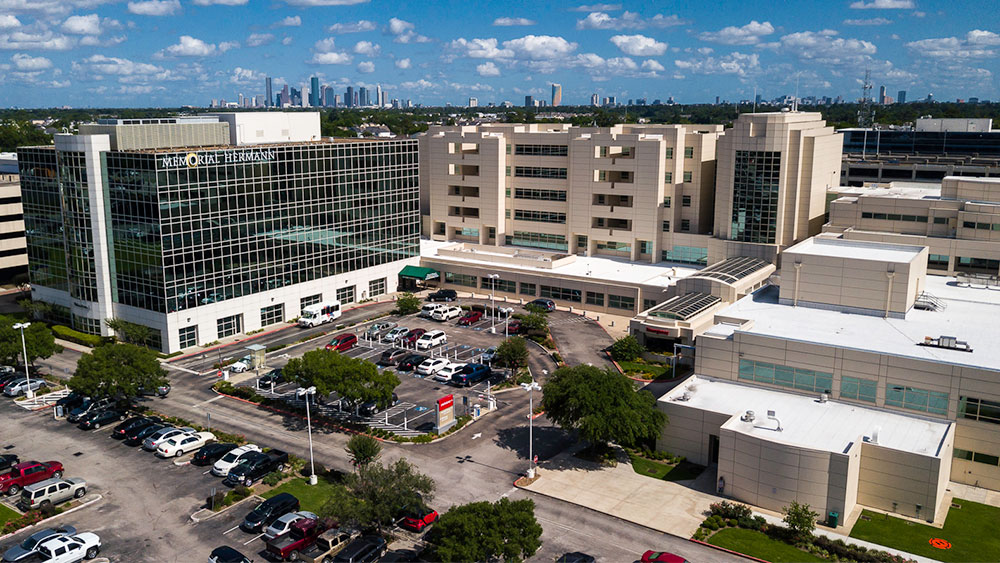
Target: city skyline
87 53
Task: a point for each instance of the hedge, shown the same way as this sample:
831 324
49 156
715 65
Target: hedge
66 333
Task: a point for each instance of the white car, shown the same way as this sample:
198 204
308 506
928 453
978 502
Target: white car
232 459
176 446
241 365
428 309
431 339
395 333
154 440
18 387
69 549
282 525
446 313
444 374
430 366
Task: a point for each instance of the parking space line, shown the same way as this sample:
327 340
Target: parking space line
253 539
230 529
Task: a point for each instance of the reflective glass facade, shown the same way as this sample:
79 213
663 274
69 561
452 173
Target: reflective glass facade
922 142
43 217
756 177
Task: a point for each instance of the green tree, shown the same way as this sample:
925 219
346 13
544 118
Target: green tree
535 322
484 531
363 450
531 308
513 353
800 519
36 310
354 380
602 405
378 493
130 333
626 349
118 371
407 304
38 340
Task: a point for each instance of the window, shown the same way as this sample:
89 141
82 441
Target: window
539 172
346 294
645 247
670 152
976 457
786 376
666 226
615 247
188 336
508 170
687 176
273 314
686 201
539 216
668 177
866 215
595 299
859 389
228 326
648 304
491 233
621 302
688 152
376 287
581 243
969 224
666 201
537 240
87 325
508 148
756 177
539 150
506 213
504 286
686 255
894 217
685 225
937 261
543 195
940 220
979 409
467 232
461 279
311 300
553 292
879 216
916 399
528 289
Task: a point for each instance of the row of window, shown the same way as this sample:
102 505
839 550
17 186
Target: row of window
912 398
495 284
858 389
539 216
898 217
979 409
538 240
461 279
937 260
540 150
786 376
686 254
539 172
981 226
537 194
976 457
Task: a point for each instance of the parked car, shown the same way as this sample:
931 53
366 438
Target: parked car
576 557
71 401
410 338
410 362
328 544
70 549
446 313
154 440
136 436
98 419
418 518
489 355
211 453
369 408
21 386
431 339
28 473
241 365
281 525
159 391
226 554
256 465
443 295
343 342
232 459
428 309
29 546
392 356
134 423
50 492
6 379
430 366
7 461
365 549
445 374
547 304
88 406
300 536
269 511
471 374
661 557
180 444
377 329
395 333
470 318
514 327
274 376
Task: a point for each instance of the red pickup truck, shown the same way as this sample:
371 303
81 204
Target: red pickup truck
301 535
28 473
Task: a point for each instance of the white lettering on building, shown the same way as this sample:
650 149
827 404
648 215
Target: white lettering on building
193 159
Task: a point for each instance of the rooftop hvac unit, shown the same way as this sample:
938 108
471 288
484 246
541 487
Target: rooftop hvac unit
684 396
748 417
823 397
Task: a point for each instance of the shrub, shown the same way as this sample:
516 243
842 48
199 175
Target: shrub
273 478
66 333
626 349
241 492
216 501
727 510
407 304
731 522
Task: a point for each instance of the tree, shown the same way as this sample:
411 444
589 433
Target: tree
36 310
363 450
536 322
626 349
118 371
484 531
377 494
536 309
38 340
513 353
602 405
800 519
330 371
130 333
407 304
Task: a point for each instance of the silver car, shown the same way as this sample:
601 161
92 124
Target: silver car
51 491
154 439
281 526
18 387
377 329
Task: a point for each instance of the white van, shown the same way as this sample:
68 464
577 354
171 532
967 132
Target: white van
431 339
428 309
320 313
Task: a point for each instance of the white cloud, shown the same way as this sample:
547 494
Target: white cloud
479 48
824 47
352 27
289 21
488 69
246 76
366 67
736 63
155 7
597 8
8 21
977 44
539 47
513 21
628 20
405 32
286 40
83 25
48 7
639 45
258 39
749 34
227 45
367 48
29 63
325 45
869 21
42 41
139 89
418 85
321 3
651 65
403 63
95 41
99 65
219 2
191 47
331 58
882 5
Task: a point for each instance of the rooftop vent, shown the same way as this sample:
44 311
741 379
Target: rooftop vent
771 416
947 342
823 397
748 417
684 397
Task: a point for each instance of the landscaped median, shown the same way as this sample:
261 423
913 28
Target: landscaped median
661 465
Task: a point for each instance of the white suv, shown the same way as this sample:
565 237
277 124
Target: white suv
431 365
446 313
232 459
444 374
431 339
428 309
70 549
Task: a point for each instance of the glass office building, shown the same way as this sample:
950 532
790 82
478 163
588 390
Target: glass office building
203 243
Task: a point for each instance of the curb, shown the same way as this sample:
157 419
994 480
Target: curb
182 463
214 514
731 552
45 521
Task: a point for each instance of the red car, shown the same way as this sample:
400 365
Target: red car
469 318
343 342
418 519
661 557
28 473
411 337
513 326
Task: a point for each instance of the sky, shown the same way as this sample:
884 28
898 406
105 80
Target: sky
168 53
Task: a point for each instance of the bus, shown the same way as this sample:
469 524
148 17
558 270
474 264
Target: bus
319 313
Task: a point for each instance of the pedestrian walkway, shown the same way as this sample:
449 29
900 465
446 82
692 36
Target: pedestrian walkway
975 494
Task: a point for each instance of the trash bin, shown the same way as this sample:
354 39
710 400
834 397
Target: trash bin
59 411
834 519
478 410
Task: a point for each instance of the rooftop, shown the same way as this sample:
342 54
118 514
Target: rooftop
806 422
902 190
857 250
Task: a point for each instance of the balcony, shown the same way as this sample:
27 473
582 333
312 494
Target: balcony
463 170
464 149
614 176
611 223
464 212
464 192
611 200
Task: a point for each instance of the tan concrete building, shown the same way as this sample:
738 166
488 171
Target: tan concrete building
13 247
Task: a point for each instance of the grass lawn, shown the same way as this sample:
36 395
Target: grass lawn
310 497
681 472
756 544
972 531
7 514
656 370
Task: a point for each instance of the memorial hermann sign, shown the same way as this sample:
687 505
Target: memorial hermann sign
194 159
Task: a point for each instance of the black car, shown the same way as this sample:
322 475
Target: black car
226 554
134 423
274 376
7 461
392 356
410 362
269 511
443 295
547 304
256 465
71 401
135 436
211 453
98 419
161 391
372 407
575 557
87 407
365 549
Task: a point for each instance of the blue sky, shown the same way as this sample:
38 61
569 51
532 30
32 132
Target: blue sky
141 53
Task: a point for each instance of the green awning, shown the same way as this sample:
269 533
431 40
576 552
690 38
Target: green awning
419 273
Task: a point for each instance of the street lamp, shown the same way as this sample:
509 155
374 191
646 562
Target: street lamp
530 388
312 466
24 347
493 303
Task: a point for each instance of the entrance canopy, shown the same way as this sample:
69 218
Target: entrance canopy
419 273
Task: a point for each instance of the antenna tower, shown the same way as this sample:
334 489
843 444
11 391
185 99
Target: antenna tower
866 115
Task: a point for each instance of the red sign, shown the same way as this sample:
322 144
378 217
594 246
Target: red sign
657 330
446 402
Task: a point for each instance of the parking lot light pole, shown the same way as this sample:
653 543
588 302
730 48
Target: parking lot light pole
530 388
24 347
312 466
493 303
